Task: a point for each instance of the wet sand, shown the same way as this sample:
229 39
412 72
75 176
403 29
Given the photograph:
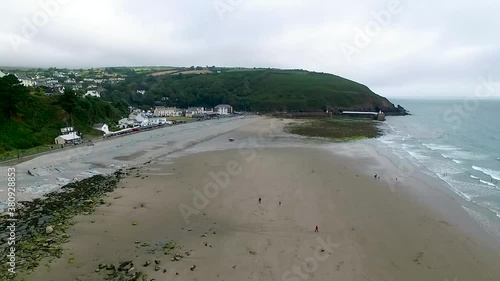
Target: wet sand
374 233
46 173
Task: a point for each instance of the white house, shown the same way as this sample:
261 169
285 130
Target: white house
161 111
93 94
125 123
2 74
223 109
68 138
139 119
158 121
101 127
26 81
191 111
141 92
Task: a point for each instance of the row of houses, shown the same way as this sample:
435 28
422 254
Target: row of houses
25 80
141 120
221 109
51 82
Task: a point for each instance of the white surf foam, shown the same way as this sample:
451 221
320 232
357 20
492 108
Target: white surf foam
484 222
453 185
464 155
454 160
488 183
492 173
441 147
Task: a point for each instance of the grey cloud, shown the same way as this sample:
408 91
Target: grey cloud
430 46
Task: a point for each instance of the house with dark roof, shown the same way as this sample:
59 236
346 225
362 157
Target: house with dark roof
101 127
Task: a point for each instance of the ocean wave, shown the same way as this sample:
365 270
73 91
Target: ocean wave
460 188
492 173
464 155
454 160
386 141
441 147
488 183
474 177
416 154
485 222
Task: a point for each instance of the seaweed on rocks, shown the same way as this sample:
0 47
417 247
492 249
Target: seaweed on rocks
41 224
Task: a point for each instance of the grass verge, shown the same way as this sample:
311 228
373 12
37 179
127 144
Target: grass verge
180 118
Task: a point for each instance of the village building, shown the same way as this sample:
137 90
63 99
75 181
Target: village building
194 111
71 138
223 109
93 94
26 81
101 127
161 111
126 123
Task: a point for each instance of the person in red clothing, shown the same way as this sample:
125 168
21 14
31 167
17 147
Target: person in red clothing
316 230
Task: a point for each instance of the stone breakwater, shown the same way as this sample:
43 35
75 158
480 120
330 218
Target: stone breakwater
41 224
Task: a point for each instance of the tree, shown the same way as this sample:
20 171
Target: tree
12 93
68 101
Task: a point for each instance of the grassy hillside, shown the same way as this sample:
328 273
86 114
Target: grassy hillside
255 90
30 119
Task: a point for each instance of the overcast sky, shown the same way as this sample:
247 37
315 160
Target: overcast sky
412 48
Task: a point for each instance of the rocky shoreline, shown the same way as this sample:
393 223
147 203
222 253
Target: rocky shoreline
41 224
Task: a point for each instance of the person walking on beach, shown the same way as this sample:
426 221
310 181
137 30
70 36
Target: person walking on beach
260 200
317 229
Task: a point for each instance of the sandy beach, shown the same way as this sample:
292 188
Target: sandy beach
204 200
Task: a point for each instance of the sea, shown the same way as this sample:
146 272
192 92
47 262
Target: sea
456 141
